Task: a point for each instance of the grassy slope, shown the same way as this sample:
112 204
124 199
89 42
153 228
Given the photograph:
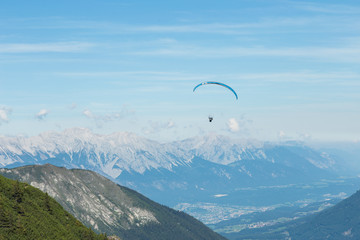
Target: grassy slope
28 213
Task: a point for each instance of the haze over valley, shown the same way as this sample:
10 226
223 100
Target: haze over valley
226 183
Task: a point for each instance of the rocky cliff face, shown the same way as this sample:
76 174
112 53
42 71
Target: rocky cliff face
108 207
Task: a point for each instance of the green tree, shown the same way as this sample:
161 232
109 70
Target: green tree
47 203
6 219
18 192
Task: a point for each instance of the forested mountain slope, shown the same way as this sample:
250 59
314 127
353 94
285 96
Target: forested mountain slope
28 213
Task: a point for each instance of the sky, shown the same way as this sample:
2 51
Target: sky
131 66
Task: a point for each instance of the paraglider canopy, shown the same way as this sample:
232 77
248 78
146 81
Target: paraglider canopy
211 118
217 83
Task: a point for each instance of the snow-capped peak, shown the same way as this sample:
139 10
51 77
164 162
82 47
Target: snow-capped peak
123 151
111 153
218 148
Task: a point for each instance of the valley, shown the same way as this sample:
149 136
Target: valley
233 186
269 206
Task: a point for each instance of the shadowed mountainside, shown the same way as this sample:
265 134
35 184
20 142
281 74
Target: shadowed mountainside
107 207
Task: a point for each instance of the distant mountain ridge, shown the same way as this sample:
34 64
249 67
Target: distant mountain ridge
80 148
117 152
107 207
195 168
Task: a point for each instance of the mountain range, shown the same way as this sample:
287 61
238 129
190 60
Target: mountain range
110 208
213 178
193 169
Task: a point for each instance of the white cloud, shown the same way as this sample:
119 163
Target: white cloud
156 126
4 114
73 106
138 76
233 125
42 114
305 136
282 134
101 119
337 54
44 47
240 124
170 124
220 195
243 28
88 113
327 8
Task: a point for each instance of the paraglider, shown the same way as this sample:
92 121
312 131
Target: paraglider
211 118
217 83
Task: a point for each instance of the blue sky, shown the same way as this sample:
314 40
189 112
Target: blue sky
131 66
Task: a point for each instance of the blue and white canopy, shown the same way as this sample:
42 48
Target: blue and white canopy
217 83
